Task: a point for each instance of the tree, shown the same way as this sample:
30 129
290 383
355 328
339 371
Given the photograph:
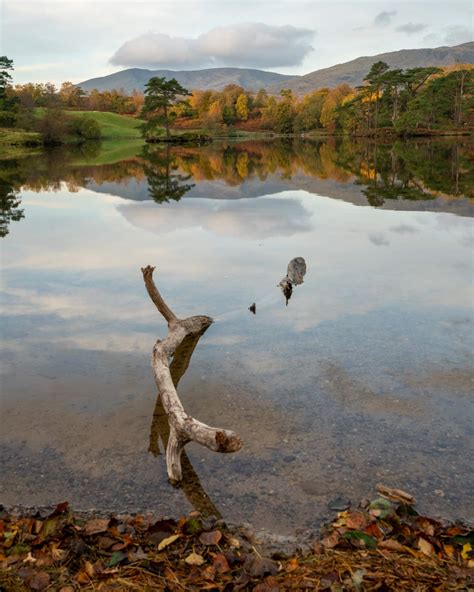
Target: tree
53 126
242 107
160 96
70 95
86 128
374 79
7 103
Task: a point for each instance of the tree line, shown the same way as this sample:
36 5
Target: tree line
410 101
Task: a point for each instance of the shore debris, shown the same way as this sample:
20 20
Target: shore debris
380 545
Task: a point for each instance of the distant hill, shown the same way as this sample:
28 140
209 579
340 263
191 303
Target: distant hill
352 72
211 78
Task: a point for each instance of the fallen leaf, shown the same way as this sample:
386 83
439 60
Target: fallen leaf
220 564
356 520
360 539
425 525
292 564
330 541
168 541
425 547
88 568
116 558
466 552
39 581
194 559
381 508
193 526
257 567
210 538
96 526
374 530
392 545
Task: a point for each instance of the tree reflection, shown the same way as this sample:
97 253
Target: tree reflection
420 170
164 183
9 199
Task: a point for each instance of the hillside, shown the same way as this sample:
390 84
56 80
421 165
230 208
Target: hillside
351 72
112 125
211 78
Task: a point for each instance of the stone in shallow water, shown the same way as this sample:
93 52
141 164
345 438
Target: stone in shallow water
339 503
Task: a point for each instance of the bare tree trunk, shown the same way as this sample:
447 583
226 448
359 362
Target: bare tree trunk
183 427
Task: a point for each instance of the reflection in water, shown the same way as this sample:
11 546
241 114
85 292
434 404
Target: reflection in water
438 173
160 430
164 183
9 200
365 378
294 277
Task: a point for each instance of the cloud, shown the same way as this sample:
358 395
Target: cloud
384 18
410 28
245 44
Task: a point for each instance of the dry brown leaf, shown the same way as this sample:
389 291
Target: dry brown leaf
220 564
392 545
96 526
426 547
194 559
210 538
330 541
356 520
39 581
168 541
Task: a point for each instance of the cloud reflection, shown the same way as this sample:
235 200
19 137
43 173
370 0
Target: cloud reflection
249 219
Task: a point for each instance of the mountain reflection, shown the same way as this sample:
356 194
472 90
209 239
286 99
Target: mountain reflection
361 171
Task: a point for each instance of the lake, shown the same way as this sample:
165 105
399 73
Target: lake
365 377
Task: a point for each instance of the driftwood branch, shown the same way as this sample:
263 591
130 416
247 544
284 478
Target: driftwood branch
183 427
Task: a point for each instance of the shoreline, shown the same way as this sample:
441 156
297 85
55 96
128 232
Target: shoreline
380 544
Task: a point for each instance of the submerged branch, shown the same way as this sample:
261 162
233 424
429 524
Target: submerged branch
183 427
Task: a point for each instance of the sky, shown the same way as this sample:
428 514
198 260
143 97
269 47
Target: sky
69 40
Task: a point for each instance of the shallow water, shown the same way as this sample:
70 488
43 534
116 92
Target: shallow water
365 377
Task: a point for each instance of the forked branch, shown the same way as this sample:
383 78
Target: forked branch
183 427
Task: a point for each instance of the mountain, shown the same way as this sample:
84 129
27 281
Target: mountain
211 78
352 72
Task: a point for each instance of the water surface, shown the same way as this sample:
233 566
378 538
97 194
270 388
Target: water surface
365 377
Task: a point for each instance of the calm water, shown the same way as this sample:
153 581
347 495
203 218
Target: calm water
365 377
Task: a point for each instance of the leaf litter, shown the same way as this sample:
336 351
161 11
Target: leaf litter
381 545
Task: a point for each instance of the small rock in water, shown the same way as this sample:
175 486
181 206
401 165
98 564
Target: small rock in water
339 504
253 308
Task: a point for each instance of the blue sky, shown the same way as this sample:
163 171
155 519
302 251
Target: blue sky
69 40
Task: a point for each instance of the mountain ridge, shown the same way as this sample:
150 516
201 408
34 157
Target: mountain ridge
351 72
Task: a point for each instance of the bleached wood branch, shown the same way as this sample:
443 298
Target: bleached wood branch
183 427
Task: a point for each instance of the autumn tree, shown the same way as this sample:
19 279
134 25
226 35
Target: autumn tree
70 95
242 107
160 96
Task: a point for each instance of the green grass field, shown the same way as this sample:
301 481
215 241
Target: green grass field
112 125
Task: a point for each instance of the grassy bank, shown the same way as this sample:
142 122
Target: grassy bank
14 142
112 125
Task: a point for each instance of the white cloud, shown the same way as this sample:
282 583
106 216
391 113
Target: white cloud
245 44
